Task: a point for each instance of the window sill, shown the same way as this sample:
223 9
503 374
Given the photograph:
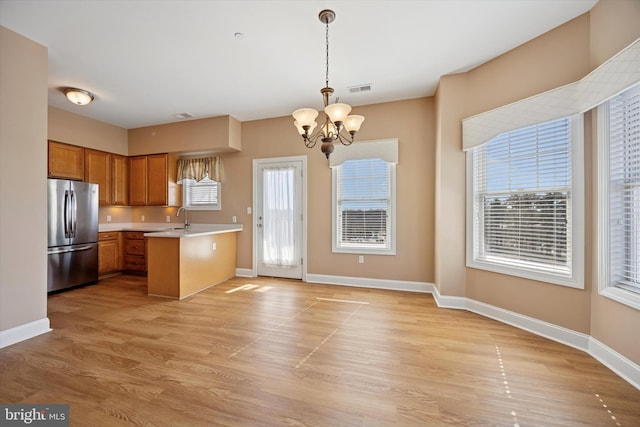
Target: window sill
363 251
203 208
622 296
527 274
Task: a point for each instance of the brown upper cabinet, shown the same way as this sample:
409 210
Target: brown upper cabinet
150 181
138 181
119 180
65 161
122 181
97 169
110 172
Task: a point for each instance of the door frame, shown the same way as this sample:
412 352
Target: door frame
303 243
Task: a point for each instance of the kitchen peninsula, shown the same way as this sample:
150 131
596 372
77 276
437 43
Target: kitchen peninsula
182 262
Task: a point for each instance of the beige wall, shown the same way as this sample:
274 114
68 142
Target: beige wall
450 182
560 56
75 129
554 59
23 208
410 121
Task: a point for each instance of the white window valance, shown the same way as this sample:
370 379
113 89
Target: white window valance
385 149
609 79
198 169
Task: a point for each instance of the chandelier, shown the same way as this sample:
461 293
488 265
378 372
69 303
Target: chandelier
338 124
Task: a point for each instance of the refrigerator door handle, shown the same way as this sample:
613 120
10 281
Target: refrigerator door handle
74 210
66 213
64 251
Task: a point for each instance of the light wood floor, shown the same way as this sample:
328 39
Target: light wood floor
285 353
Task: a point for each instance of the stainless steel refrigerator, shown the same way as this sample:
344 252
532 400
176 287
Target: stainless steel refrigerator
73 233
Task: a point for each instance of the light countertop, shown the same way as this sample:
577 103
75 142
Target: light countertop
171 229
197 230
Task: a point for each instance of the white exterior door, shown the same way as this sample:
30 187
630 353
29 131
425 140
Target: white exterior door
279 217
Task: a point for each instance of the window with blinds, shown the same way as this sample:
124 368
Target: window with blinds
621 123
522 203
364 206
203 194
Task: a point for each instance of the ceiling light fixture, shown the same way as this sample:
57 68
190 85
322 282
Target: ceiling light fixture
78 96
337 119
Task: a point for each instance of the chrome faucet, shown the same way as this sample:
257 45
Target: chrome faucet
186 217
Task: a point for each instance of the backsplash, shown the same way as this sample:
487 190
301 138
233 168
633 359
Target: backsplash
156 215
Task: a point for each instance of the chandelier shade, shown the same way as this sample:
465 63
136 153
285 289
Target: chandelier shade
353 122
337 112
305 116
338 125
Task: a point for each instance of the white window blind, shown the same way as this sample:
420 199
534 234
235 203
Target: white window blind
522 202
203 194
364 205
624 189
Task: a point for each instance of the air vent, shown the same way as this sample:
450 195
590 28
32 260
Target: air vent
183 115
359 88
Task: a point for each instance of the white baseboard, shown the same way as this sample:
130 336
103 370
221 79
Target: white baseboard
244 272
556 333
619 364
24 332
363 282
443 301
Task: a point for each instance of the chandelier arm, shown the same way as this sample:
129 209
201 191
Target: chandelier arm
311 140
342 137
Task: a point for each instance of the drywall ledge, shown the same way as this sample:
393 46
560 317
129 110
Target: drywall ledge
211 135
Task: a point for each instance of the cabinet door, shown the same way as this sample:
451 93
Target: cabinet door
108 256
119 180
65 161
138 181
97 169
157 184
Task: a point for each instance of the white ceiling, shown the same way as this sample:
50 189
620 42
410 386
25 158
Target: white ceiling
146 60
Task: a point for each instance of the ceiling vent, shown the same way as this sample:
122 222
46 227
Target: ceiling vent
359 88
183 115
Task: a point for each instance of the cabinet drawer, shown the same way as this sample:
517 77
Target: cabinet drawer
107 236
134 247
134 262
134 235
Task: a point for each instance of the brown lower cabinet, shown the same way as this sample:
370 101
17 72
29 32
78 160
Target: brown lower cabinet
134 252
109 252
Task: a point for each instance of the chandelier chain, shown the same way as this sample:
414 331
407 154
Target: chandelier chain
327 46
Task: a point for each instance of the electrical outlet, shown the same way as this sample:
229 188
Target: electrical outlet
234 219
249 210
168 218
361 259
213 246
142 218
108 218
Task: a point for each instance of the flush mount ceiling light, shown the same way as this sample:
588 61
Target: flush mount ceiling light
78 96
337 120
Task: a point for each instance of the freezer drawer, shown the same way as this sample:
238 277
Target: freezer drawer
72 266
